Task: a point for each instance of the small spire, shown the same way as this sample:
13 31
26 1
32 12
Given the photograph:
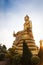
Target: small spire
41 43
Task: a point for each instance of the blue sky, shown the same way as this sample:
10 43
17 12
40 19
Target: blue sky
12 14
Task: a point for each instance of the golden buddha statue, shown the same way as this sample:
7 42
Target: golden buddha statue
27 35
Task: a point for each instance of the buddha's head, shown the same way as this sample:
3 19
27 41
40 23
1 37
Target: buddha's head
26 18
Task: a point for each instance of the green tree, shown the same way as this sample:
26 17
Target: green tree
2 56
13 56
4 49
35 60
26 57
16 59
0 48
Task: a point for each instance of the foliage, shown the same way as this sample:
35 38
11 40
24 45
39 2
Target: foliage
35 60
4 47
26 57
16 59
3 51
2 56
13 56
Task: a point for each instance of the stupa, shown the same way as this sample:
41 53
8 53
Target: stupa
27 35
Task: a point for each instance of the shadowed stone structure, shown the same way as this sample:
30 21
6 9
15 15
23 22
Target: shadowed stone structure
27 35
41 52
